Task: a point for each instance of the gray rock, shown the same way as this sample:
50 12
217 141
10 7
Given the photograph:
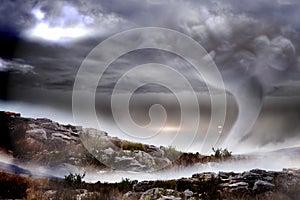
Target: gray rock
205 176
262 186
39 134
143 186
268 178
238 184
50 194
249 176
89 195
108 151
63 137
131 195
161 194
258 171
238 187
226 175
81 191
169 198
188 193
154 151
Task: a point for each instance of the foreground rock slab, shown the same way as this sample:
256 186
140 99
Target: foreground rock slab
253 184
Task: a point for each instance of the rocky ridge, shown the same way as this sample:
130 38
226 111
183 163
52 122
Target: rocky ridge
49 143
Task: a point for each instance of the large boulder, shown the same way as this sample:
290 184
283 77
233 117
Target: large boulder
262 186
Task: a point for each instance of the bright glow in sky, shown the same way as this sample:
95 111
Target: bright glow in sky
59 29
44 31
169 129
38 14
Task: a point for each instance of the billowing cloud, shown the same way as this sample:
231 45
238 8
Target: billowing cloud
62 22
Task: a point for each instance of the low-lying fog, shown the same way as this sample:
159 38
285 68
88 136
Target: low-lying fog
269 161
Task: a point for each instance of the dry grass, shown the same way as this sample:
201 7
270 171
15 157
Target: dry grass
132 146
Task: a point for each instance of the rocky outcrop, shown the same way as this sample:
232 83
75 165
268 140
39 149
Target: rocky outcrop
46 142
43 141
161 194
253 184
121 154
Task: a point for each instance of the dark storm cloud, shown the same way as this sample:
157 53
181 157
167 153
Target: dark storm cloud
9 68
277 124
254 44
15 15
227 30
126 62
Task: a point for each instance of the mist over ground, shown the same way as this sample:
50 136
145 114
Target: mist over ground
255 46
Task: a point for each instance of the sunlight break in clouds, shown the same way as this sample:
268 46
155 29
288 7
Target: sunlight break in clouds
70 25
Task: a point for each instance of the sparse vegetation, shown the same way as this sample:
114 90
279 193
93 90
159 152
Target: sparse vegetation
126 184
132 146
74 179
221 153
167 184
171 153
203 186
226 153
12 186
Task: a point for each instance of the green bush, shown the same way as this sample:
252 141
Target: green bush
74 179
132 146
221 153
226 153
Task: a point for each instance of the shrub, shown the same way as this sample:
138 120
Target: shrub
221 153
126 184
171 153
226 153
217 152
133 146
74 179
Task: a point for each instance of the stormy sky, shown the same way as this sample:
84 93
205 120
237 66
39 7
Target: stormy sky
254 44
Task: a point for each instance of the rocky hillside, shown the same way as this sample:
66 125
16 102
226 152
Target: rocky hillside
49 143
253 185
43 141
